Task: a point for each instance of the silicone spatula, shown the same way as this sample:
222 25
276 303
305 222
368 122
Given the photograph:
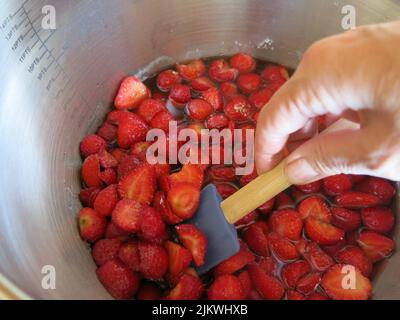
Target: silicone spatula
216 217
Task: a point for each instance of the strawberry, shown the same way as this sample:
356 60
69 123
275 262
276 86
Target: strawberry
225 189
108 132
91 171
173 280
107 160
108 176
113 232
127 215
221 173
88 196
197 127
193 239
334 248
228 90
322 232
346 219
130 130
247 219
162 120
139 149
152 226
287 223
161 204
282 247
220 71
106 200
153 260
91 225
118 279
217 121
180 95
179 258
316 257
355 200
378 219
245 280
238 109
202 84
294 295
199 109
167 79
243 62
283 200
92 144
308 283
226 287
315 207
249 82
298 195
105 250
184 199
267 206
379 187
119 154
256 240
312 187
139 184
126 165
236 262
274 73
248 178
333 279
190 173
375 245
269 265
192 70
149 108
260 98
129 254
356 257
337 184
316 296
292 272
214 97
149 291
189 287
131 93
159 96
268 287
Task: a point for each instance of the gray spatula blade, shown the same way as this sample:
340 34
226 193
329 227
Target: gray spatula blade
221 235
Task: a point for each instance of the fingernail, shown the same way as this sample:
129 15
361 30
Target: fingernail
300 171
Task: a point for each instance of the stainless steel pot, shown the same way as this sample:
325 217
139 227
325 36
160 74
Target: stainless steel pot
56 85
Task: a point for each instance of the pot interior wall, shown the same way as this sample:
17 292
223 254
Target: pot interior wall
95 45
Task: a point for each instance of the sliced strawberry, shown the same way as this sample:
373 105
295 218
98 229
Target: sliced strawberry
180 95
139 149
139 184
202 84
228 90
217 121
316 257
167 79
260 98
274 73
322 232
152 226
108 132
294 295
88 196
194 240
249 82
179 258
346 219
356 257
375 245
355 200
192 70
214 97
129 254
269 287
308 283
153 260
292 272
108 176
105 250
189 287
226 189
149 291
162 120
220 71
333 281
113 232
184 199
107 160
106 200
334 248
243 62
269 265
315 207
131 93
161 204
126 165
267 206
91 225
190 173
287 223
221 173
92 144
256 239
118 279
238 109
312 187
130 130
282 247
199 109
337 184
247 219
283 200
378 219
127 215
379 187
149 108
226 287
173 280
236 262
245 280
91 171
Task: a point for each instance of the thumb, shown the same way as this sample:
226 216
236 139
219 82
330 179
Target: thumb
329 154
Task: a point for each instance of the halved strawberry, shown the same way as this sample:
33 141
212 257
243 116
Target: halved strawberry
221 173
152 226
322 232
173 280
308 283
315 207
375 245
153 260
356 257
294 295
108 176
379 187
260 98
238 109
356 200
106 200
269 287
179 258
312 187
161 204
131 93
217 121
192 70
226 287
139 184
346 219
92 144
243 62
107 160
274 73
236 262
129 254
378 219
108 132
245 280
199 109
126 165
190 173
333 281
88 196
149 291
214 97
180 95
162 120
282 247
184 199
139 149
316 257
127 215
113 232
226 189
189 287
220 71
91 225
118 279
337 184
105 250
228 90
149 108
193 239
249 82
167 79
292 272
202 84
130 130
91 171
256 239
269 265
287 223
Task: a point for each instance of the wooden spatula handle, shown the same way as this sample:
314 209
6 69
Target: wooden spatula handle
268 185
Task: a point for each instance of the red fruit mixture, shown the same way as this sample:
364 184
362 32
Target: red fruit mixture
135 213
